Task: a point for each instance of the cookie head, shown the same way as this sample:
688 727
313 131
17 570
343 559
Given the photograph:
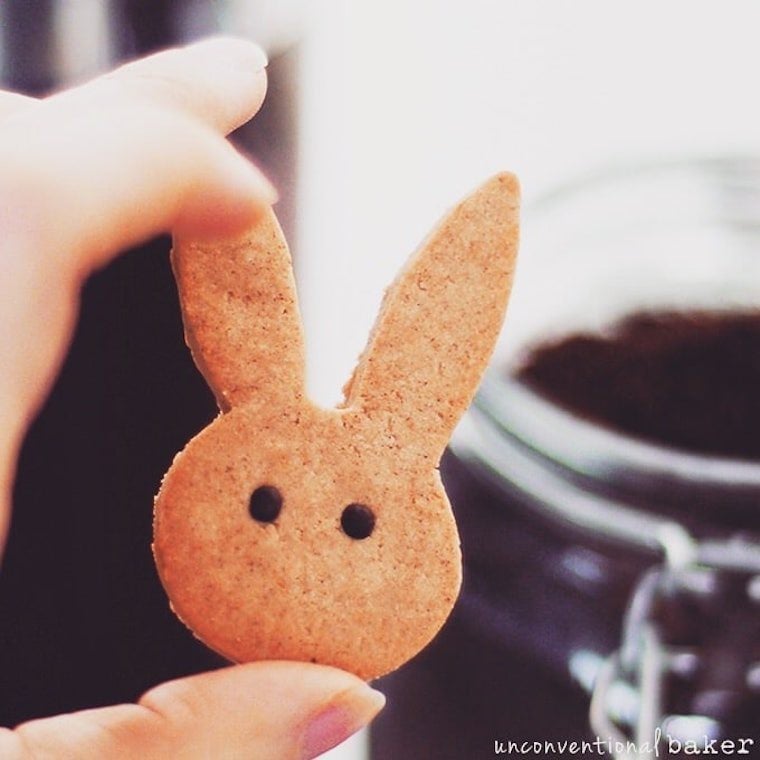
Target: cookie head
288 531
333 549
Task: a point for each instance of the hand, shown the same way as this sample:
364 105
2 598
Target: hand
85 174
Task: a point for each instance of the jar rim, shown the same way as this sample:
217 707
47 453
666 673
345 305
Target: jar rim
736 164
595 451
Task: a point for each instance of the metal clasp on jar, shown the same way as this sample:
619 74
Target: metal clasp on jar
690 653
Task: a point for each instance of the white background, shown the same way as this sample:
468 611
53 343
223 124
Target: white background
408 105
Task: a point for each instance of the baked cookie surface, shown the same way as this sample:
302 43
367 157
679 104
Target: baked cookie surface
288 531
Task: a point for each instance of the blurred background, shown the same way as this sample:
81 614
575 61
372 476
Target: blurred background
379 117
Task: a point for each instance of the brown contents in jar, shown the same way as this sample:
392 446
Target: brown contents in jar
689 380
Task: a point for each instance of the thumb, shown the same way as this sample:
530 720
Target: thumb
264 710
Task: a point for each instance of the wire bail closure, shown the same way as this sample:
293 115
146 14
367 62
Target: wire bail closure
660 654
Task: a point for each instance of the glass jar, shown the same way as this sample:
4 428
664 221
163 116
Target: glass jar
612 584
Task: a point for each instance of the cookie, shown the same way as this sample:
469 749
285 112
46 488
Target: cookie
288 531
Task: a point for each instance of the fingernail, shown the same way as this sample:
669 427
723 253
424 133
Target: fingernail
235 51
345 715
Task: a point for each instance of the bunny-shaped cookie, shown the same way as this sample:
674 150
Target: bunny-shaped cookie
289 531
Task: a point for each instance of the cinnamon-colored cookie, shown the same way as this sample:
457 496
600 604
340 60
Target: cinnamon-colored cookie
289 531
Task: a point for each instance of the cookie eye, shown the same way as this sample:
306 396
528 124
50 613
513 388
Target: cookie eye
265 504
357 521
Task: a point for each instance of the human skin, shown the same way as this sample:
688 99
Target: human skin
158 125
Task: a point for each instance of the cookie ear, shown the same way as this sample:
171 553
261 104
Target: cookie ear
241 317
440 319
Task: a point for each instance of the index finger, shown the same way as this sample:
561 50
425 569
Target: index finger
120 160
127 152
219 81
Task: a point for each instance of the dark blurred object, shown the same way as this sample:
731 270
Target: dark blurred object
679 378
149 24
83 618
497 670
27 46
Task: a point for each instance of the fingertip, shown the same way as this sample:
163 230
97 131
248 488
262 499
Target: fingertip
221 81
234 67
227 205
348 713
238 52
265 709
